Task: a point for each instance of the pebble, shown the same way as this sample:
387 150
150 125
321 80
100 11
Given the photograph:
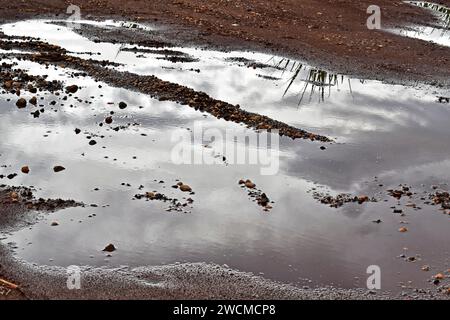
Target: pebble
110 248
72 88
249 184
185 188
21 103
58 169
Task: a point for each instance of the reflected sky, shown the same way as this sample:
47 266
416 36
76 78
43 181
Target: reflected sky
398 134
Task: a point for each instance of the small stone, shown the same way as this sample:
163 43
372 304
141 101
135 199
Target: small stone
249 184
25 169
150 195
110 248
108 120
122 105
77 131
439 276
54 224
58 169
21 103
33 101
403 229
426 268
185 188
362 199
72 88
92 143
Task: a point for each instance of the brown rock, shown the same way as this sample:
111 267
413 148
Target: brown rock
110 248
426 268
21 103
14 196
403 229
249 184
72 88
25 169
185 188
439 276
33 101
362 199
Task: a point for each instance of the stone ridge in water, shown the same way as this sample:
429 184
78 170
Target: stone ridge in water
164 90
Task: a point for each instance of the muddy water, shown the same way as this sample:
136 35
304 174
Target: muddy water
385 135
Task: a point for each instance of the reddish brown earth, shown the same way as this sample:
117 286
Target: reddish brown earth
330 33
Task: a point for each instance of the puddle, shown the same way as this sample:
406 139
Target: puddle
439 34
385 135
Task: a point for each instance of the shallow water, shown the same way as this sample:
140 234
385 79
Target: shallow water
385 134
438 34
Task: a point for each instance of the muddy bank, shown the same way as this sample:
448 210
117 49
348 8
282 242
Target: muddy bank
333 35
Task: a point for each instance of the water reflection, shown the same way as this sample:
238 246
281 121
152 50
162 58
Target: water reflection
399 134
438 34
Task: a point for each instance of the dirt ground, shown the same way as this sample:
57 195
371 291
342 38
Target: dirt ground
330 33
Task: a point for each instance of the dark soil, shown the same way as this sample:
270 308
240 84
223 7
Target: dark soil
332 34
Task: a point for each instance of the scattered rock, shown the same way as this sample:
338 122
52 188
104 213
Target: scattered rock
122 105
403 229
110 248
72 88
25 169
439 276
58 169
185 188
11 176
249 184
341 199
33 101
21 103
